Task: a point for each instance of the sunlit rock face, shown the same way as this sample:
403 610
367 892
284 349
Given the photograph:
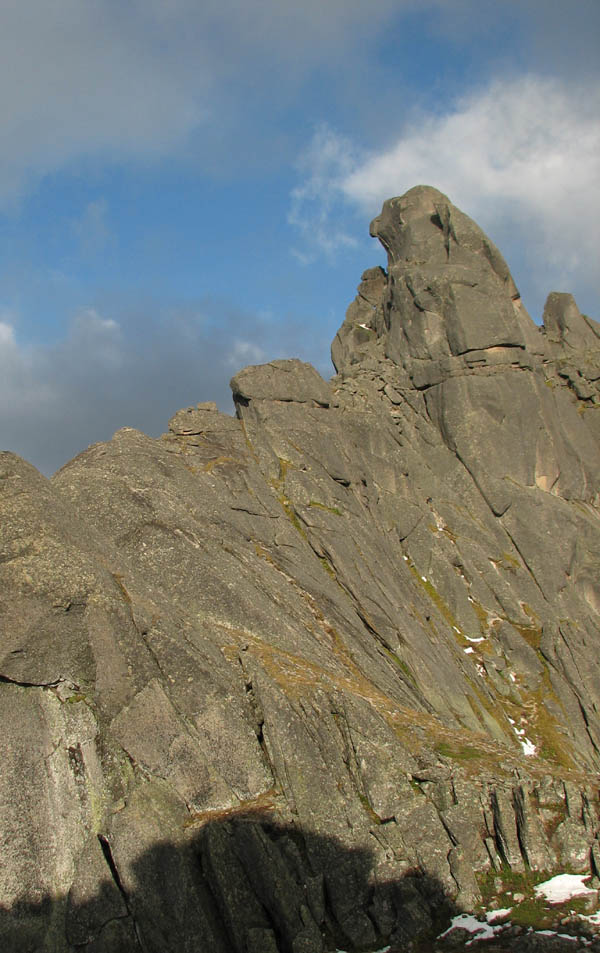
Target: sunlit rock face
301 679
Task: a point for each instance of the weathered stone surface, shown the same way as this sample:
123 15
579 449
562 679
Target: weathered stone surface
288 380
296 680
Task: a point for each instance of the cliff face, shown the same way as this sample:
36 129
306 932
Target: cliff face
305 677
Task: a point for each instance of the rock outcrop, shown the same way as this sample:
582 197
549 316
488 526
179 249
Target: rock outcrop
307 677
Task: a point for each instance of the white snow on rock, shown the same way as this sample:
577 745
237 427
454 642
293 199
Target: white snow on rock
592 918
564 936
528 747
562 887
496 914
481 929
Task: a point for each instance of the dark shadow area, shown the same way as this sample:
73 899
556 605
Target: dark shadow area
243 883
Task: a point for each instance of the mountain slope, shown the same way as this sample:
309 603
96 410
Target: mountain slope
305 677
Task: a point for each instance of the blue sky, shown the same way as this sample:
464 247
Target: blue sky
186 185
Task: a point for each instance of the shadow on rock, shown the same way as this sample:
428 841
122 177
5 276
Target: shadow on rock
240 884
232 885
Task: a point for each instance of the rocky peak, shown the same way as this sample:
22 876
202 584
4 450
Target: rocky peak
566 326
448 300
446 321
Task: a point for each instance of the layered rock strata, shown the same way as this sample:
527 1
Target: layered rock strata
310 676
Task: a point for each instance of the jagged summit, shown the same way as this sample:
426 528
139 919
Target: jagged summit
448 300
447 315
447 286
307 678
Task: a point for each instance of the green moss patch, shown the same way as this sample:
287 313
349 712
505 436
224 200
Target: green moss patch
458 752
328 509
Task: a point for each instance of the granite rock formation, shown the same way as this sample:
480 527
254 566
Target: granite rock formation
307 677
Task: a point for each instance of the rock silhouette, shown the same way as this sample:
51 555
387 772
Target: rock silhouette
306 676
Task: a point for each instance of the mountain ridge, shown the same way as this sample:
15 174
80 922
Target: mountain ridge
338 652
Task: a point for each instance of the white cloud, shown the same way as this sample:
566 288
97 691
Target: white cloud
105 374
91 335
530 141
78 79
21 390
520 156
244 352
329 159
139 80
33 380
136 80
7 339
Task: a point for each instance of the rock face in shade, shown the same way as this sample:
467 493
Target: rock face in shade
300 679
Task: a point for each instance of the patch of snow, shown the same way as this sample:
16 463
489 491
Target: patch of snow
468 651
481 929
563 936
456 629
591 918
470 639
424 578
529 749
492 915
564 886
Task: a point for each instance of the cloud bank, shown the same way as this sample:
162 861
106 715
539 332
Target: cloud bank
138 80
105 374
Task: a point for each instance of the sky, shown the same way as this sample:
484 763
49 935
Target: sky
186 186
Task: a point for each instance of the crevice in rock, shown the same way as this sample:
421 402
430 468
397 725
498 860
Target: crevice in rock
23 684
257 714
499 835
107 923
244 509
524 561
451 837
508 345
588 727
110 862
521 822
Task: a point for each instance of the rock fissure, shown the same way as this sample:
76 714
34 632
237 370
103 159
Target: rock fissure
110 863
23 684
